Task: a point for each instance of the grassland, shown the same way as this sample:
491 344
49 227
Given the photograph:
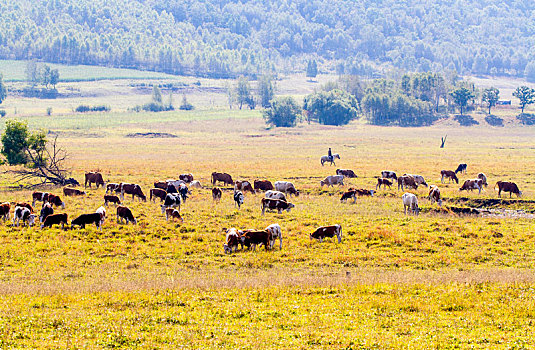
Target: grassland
438 280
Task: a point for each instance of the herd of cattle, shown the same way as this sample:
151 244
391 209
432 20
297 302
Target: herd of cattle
174 193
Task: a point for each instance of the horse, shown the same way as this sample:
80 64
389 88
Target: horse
325 159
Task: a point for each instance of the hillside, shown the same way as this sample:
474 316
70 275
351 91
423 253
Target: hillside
225 38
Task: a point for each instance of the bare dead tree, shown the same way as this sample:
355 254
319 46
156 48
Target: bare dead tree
443 141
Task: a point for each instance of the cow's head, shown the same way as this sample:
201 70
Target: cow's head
322 183
227 249
31 219
290 206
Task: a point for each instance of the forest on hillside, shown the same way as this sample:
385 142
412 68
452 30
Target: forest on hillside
224 38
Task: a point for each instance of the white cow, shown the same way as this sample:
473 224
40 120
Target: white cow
276 232
24 214
286 187
333 180
410 201
419 179
102 212
175 183
275 195
388 174
195 184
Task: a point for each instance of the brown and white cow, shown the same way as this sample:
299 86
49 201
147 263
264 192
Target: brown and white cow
483 178
125 213
25 205
333 180
252 238
69 191
225 178
470 185
45 211
113 187
39 196
244 186
47 197
173 214
157 193
383 182
94 177
186 177
327 231
407 181
55 219
363 192
419 179
23 214
275 204
387 174
102 211
276 233
449 174
216 194
55 200
286 187
134 190
232 240
171 200
5 208
507 186
434 195
275 195
111 199
87 219
263 185
350 194
346 172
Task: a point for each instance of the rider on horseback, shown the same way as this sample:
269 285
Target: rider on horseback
330 155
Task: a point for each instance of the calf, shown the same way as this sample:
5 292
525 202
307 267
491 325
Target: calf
69 191
327 231
173 214
333 180
45 211
195 184
286 187
183 190
244 186
87 219
275 195
111 199
25 205
238 199
387 174
483 178
263 185
216 194
55 219
125 213
276 233
113 187
134 190
157 193
253 238
461 168
275 204
5 208
23 214
383 182
232 240
450 175
351 194
410 201
470 185
434 195
346 172
510 187
407 181
171 200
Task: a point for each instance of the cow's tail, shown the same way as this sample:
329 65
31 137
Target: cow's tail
213 179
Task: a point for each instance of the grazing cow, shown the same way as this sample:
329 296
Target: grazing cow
434 195
23 214
232 240
113 187
450 175
45 211
275 195
87 219
387 174
410 201
39 196
102 211
327 231
483 178
25 205
363 192
325 159
263 185
276 204
183 190
276 233
506 186
238 199
461 168
186 177
419 179
351 193
111 199
125 213
69 191
346 172
134 190
171 189
470 185
216 194
333 180
160 184
286 187
244 186
383 182
175 183
55 200
173 214
195 184
55 219
4 210
253 238
94 177
157 193
407 181
172 200
225 178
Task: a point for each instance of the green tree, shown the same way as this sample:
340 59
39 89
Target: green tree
284 112
243 92
490 97
266 90
185 105
54 77
525 94
33 73
45 76
312 69
461 96
15 142
156 94
3 89
335 107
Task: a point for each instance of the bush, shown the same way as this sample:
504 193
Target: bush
526 118
84 108
335 107
466 120
284 112
2 113
494 120
185 105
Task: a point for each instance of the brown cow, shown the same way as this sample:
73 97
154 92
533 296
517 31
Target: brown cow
506 186
276 204
55 200
346 172
39 196
363 192
383 182
327 231
263 185
87 219
186 177
407 181
253 238
47 197
244 186
232 239
55 219
160 184
125 213
4 210
216 194
173 214
448 174
134 190
157 193
94 177
113 187
25 205
69 191
434 195
225 178
111 199
470 185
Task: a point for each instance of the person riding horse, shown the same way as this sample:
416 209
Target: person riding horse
330 155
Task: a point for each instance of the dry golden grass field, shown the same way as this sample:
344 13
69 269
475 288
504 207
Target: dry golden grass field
437 280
